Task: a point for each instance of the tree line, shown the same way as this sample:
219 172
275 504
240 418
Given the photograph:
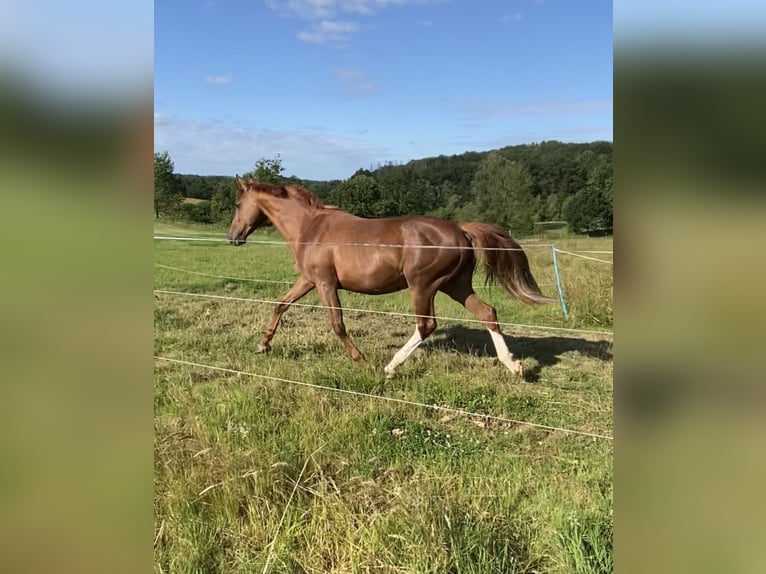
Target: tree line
517 187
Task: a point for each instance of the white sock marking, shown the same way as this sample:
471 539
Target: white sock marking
402 354
503 354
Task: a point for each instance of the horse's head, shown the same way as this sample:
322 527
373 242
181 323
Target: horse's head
248 216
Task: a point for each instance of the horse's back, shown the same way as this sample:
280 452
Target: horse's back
428 230
382 255
404 231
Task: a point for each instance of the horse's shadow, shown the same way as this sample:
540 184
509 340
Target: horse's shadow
545 350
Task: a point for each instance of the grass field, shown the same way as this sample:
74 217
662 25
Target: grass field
256 475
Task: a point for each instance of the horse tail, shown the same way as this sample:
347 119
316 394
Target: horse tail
505 262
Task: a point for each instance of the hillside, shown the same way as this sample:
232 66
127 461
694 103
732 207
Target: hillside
516 187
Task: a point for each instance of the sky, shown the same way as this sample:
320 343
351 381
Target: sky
83 49
332 86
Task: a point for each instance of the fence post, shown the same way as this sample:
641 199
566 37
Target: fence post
558 282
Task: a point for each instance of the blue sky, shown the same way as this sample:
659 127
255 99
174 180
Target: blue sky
335 85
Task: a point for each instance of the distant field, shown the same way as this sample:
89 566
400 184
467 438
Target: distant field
187 229
383 487
193 200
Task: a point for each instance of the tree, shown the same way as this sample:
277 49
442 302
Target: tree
359 195
447 202
502 191
467 213
267 170
541 186
552 210
196 212
601 177
404 192
167 189
591 208
223 201
200 186
589 211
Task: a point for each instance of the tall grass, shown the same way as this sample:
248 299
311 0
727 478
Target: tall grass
386 487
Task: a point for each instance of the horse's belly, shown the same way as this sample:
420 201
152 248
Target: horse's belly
373 284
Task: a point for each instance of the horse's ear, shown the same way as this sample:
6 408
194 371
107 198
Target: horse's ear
241 184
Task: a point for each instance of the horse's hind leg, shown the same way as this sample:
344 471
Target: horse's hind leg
298 290
462 292
329 296
426 324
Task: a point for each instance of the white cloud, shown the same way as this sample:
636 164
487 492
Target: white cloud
328 31
213 148
317 9
306 9
324 14
217 80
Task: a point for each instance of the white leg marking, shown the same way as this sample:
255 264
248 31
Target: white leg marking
504 355
402 354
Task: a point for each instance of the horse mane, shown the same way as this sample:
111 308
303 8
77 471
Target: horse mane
300 194
304 196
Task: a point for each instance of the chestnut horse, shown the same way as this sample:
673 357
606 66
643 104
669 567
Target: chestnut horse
336 250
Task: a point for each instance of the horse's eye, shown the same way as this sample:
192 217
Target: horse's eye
237 205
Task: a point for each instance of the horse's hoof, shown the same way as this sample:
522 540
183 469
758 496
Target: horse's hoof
518 369
389 374
263 348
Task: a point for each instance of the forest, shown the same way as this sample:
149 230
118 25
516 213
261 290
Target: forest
522 188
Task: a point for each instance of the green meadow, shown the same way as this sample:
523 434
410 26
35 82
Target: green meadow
256 473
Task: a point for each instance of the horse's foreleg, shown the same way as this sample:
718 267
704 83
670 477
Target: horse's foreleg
329 296
299 289
426 324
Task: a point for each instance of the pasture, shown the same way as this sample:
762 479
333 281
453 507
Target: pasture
262 474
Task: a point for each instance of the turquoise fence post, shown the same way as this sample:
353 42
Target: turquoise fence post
558 282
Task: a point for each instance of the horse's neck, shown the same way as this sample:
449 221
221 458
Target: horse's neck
286 215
